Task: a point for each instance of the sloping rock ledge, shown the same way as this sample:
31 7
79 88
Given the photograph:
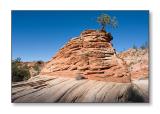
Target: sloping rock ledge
47 89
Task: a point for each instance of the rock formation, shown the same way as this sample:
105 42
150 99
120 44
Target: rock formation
90 55
50 89
137 61
87 69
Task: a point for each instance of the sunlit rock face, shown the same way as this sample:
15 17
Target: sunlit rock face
90 55
137 61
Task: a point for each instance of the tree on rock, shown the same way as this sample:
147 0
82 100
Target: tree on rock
105 19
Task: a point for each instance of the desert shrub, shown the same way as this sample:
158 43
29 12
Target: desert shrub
36 67
20 72
134 47
144 46
40 62
17 60
110 36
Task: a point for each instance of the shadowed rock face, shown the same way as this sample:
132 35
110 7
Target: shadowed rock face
47 89
90 55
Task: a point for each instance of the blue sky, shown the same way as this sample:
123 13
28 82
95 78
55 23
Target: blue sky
38 35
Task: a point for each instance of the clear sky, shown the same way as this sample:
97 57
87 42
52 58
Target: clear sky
38 35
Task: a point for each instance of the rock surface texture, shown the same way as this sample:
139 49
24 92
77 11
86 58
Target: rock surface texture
137 61
87 69
48 89
90 55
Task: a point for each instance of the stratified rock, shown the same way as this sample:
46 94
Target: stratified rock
49 89
90 54
137 61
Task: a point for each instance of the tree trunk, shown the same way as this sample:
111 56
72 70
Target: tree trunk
103 28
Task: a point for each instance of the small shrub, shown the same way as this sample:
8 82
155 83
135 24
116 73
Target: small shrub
36 68
134 47
17 60
19 72
144 46
39 62
110 36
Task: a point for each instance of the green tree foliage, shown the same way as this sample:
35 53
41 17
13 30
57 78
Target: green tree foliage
134 46
144 46
110 36
18 60
20 72
37 68
105 19
40 62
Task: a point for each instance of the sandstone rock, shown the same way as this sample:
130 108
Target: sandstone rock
90 54
34 67
137 61
49 89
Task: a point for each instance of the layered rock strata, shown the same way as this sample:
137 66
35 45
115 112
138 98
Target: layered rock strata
90 55
50 89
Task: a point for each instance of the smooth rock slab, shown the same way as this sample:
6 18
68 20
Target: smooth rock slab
49 89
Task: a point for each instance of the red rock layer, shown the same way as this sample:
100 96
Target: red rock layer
90 55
